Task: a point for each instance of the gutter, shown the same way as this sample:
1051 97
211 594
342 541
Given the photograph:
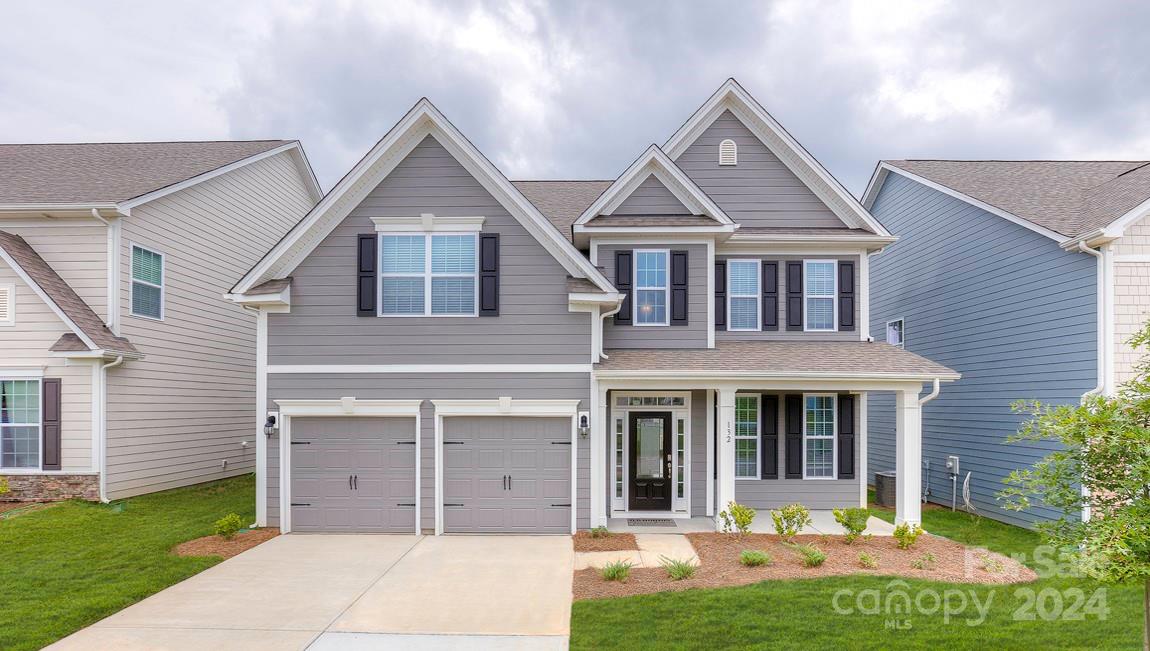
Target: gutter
1102 310
933 394
603 316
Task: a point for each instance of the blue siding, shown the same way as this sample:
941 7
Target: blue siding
1001 304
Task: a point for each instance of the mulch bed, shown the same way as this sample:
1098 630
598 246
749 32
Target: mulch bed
720 566
28 507
216 546
615 542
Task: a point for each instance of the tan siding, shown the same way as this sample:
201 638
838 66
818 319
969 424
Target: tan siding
76 248
176 415
1131 297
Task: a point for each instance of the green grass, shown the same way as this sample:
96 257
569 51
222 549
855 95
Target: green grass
67 566
800 615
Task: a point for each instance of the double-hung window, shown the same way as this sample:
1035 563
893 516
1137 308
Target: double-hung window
20 423
747 437
651 288
819 437
147 283
820 281
428 275
743 300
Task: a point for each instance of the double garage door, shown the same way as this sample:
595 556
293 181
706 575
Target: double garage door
500 475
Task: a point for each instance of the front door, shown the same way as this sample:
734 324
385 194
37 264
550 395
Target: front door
650 461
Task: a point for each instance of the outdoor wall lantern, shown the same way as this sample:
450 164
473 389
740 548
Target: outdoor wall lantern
584 424
270 425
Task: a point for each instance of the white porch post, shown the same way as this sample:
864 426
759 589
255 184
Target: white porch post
726 483
599 436
908 458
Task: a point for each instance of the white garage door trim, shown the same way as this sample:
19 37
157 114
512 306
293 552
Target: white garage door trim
340 407
503 406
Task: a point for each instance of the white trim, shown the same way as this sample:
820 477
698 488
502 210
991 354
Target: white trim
8 290
281 369
261 416
39 424
710 510
428 223
1142 258
834 436
82 209
901 332
864 297
620 505
834 296
861 400
132 280
21 372
428 275
666 253
863 242
758 294
11 262
115 260
658 374
710 272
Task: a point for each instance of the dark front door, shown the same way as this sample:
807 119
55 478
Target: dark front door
650 461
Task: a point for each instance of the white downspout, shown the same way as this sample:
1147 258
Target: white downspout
113 272
1102 309
102 448
933 394
603 316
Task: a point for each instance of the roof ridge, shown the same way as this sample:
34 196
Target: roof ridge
1010 160
142 142
562 180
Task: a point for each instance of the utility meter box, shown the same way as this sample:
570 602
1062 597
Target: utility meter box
952 464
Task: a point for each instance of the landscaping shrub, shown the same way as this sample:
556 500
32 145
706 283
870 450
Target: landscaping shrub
3 486
790 520
906 534
925 562
993 565
853 521
676 569
737 518
812 556
600 532
868 560
229 525
617 571
755 558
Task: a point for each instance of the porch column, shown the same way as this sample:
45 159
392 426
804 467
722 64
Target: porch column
726 453
600 434
908 458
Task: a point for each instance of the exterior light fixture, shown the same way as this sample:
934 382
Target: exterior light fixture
584 424
270 425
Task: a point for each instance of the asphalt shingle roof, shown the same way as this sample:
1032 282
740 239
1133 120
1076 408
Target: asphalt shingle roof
562 202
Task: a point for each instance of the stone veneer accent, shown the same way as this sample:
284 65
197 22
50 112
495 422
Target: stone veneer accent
47 488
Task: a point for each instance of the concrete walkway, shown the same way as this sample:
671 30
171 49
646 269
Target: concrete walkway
359 592
822 522
653 548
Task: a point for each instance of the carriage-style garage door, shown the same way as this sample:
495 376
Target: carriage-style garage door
504 474
353 474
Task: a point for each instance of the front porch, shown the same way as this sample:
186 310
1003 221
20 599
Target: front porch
823 522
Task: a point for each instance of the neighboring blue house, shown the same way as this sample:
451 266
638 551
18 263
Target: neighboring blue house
989 278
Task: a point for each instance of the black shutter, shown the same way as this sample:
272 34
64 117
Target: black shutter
794 440
846 296
679 288
365 292
795 295
846 422
50 404
770 295
489 274
721 294
624 285
769 436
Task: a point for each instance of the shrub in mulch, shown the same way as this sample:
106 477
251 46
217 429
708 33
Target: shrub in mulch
217 546
615 542
720 566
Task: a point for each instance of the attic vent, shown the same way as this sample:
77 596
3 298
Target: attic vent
728 152
7 305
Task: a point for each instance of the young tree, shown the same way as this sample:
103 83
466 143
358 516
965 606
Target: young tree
1103 469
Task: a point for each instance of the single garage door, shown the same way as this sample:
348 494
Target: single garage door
351 474
505 474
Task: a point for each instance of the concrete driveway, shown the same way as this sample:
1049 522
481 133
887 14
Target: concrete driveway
324 592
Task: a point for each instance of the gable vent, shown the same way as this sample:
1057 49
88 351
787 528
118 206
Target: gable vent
7 307
728 152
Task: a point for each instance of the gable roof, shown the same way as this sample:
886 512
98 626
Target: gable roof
422 120
86 326
562 202
734 98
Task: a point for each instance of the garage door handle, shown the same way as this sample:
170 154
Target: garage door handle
405 442
453 442
301 442
560 505
453 504
560 442
406 504
301 503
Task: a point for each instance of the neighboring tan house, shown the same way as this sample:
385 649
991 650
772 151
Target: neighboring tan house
441 349
1004 271
123 369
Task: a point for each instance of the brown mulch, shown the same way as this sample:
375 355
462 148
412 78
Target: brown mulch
8 507
720 566
216 546
615 542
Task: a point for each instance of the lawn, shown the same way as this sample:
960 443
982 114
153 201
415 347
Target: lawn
801 614
69 565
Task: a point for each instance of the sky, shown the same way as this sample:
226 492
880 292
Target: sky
577 90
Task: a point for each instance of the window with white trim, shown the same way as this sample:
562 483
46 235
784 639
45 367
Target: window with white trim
652 291
747 437
147 283
428 275
819 437
728 152
820 287
894 333
7 304
20 423
743 300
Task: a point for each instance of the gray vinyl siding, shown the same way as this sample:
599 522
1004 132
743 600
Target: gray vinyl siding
651 198
534 324
698 453
177 415
1004 306
692 335
760 190
721 334
546 386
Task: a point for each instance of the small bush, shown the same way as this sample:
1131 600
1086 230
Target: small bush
616 571
676 569
925 562
790 520
755 558
3 486
993 565
600 532
737 518
853 521
906 535
868 560
228 526
812 556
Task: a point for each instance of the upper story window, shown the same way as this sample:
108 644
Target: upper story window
894 333
20 422
819 437
743 299
651 288
728 152
747 437
820 289
147 283
428 275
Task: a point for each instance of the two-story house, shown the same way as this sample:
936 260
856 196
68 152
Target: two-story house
442 349
123 369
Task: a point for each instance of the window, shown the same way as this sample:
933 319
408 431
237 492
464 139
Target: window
894 332
819 437
651 290
728 152
19 423
650 401
747 437
619 458
743 300
820 294
416 267
7 304
147 283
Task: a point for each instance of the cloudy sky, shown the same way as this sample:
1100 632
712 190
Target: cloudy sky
578 89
